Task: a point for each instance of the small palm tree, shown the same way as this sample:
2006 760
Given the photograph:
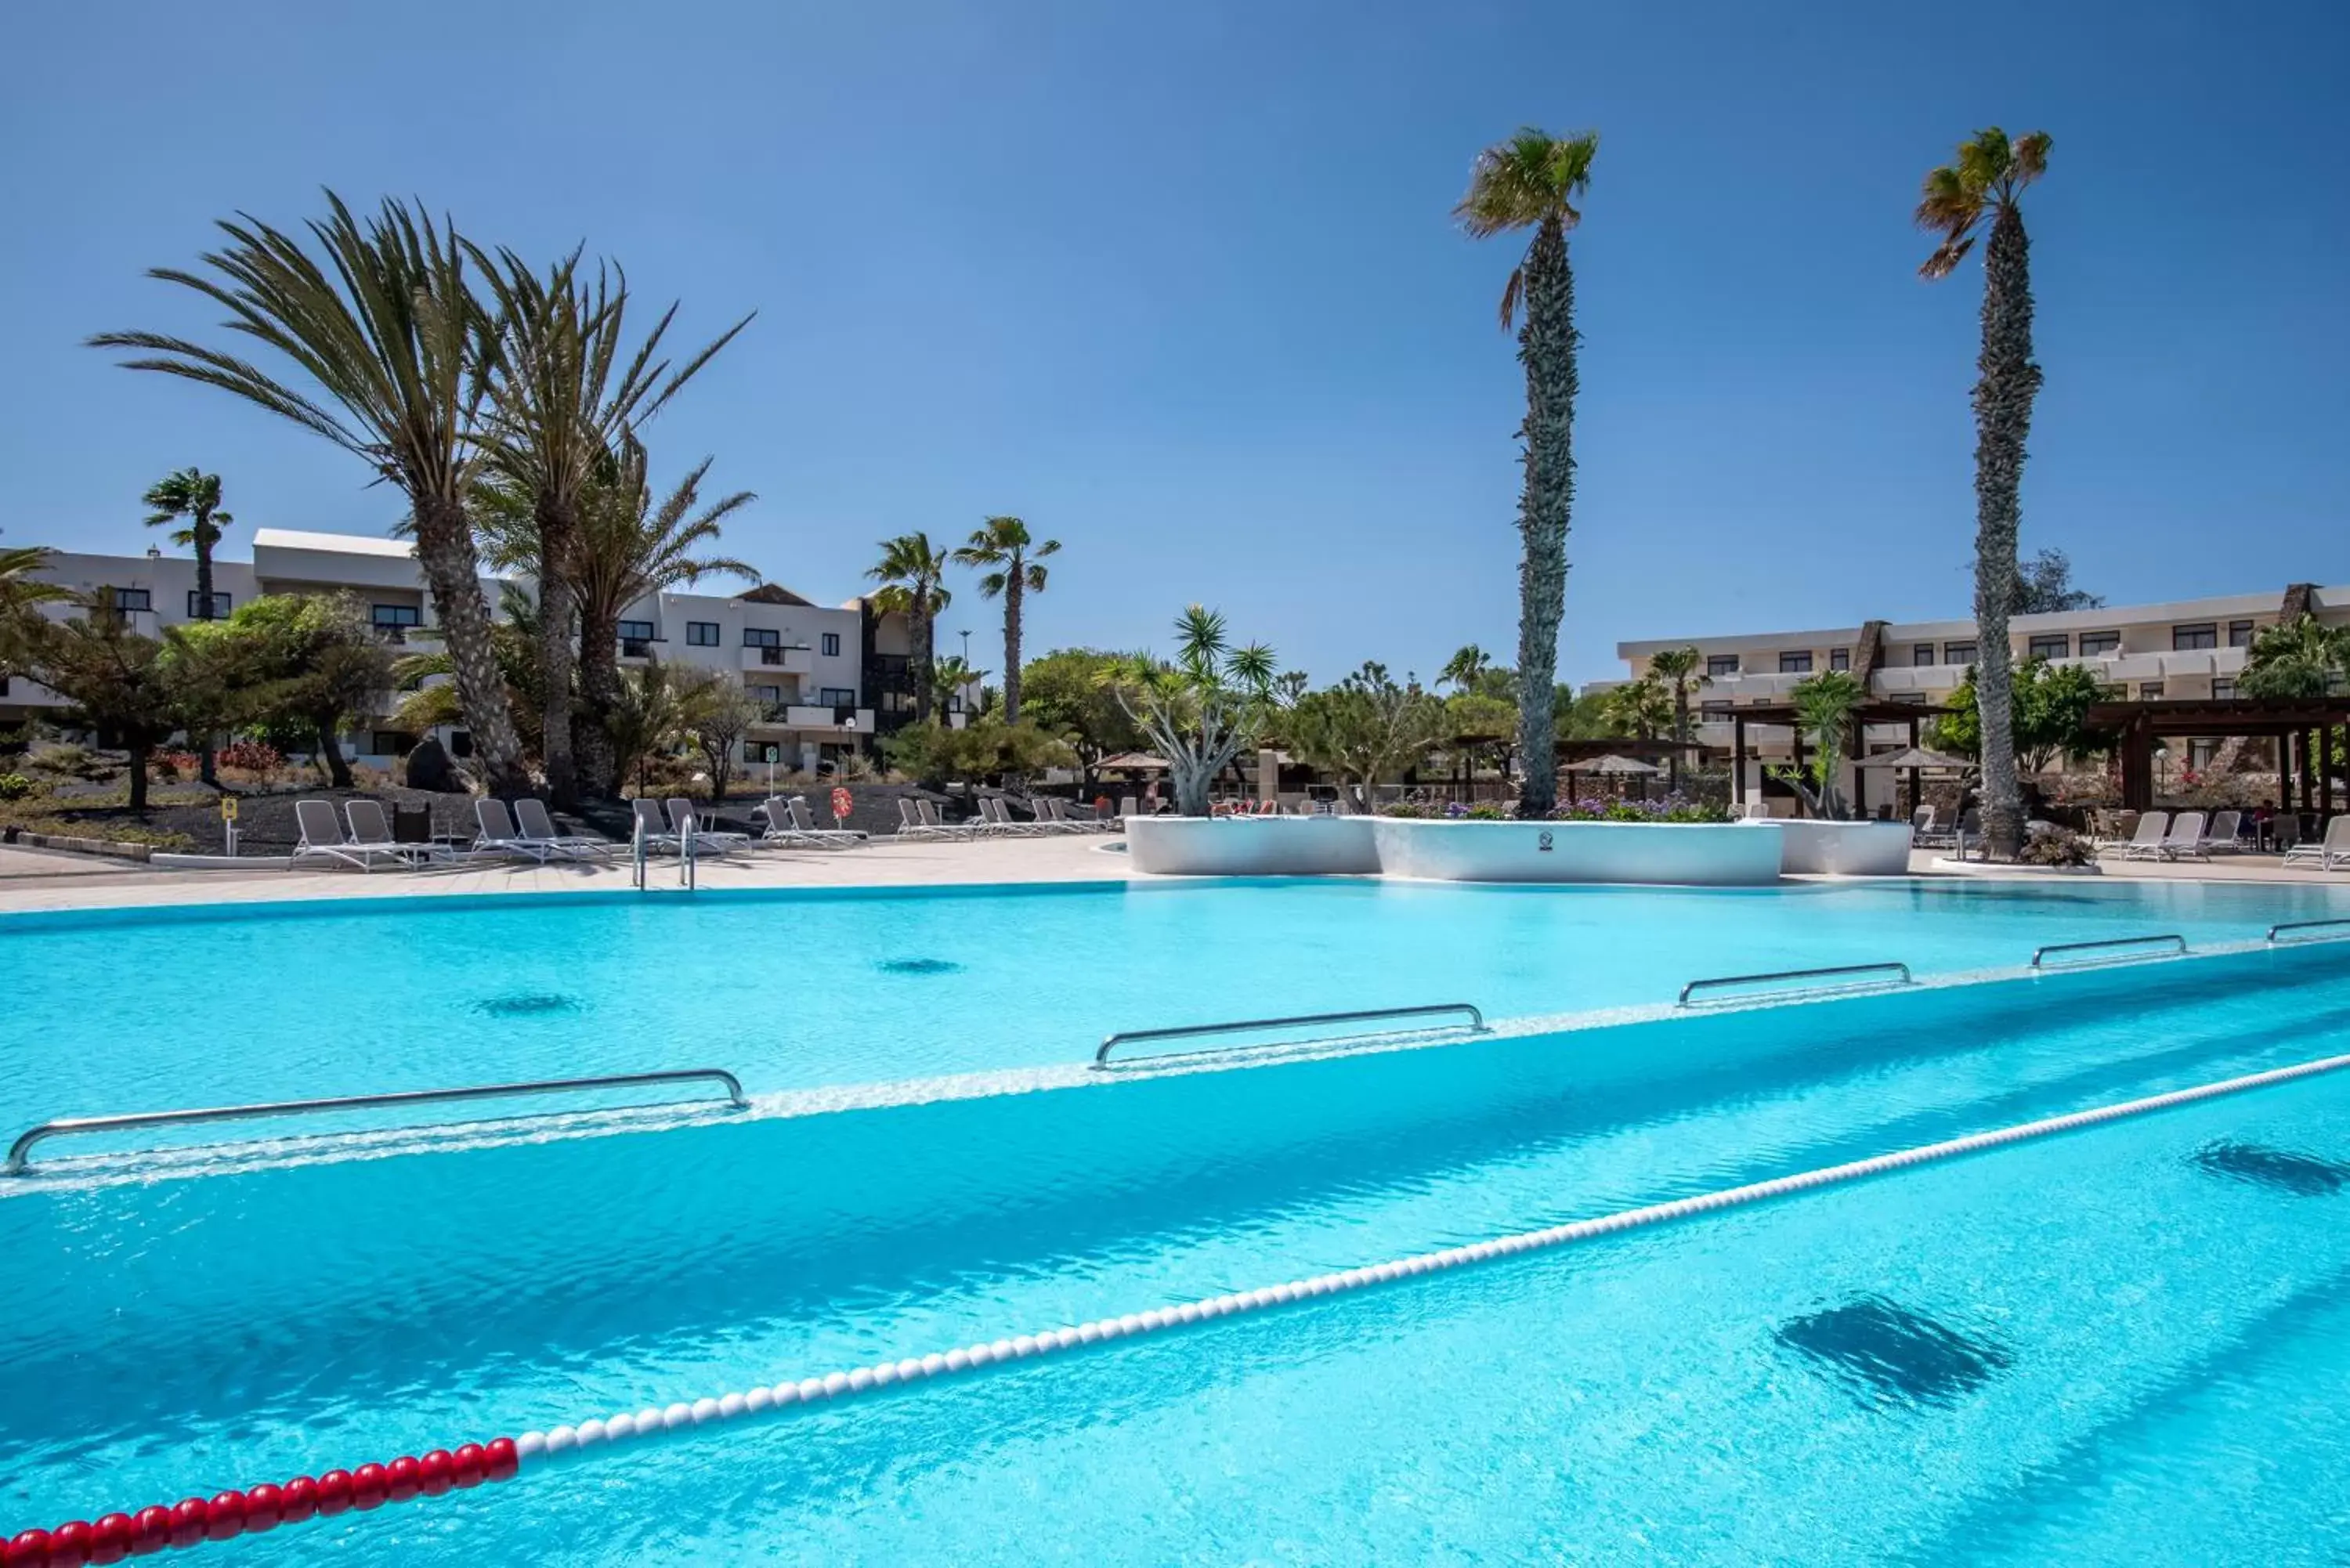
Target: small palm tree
1465 670
390 336
2302 658
563 388
1638 707
1532 181
1986 181
1010 561
196 495
1679 670
633 546
911 572
20 590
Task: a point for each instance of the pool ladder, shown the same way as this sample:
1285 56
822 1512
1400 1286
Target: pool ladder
20 1152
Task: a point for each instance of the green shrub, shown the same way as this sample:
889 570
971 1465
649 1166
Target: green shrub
2058 846
1486 811
66 759
14 786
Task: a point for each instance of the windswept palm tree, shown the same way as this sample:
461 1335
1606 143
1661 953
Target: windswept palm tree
912 572
196 495
1531 182
1010 559
1677 670
390 336
1466 670
632 546
1986 182
564 387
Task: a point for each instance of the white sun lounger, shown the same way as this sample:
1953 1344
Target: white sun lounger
941 828
2222 837
2330 852
997 819
539 828
804 823
717 840
2185 838
2146 843
499 837
371 833
322 839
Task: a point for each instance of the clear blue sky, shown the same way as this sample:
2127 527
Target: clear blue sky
1178 284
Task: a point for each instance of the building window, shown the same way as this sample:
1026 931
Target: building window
2055 645
762 637
1839 659
2240 634
762 751
701 634
1721 664
1795 663
396 615
772 696
637 631
832 645
2188 638
390 743
2223 691
2098 644
196 606
1922 656
1710 712
1958 653
129 599
839 697
2149 690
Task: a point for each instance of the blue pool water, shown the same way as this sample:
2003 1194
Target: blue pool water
146 1010
2123 1345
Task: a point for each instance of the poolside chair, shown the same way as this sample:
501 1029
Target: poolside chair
1924 834
717 840
2185 839
651 826
499 838
2146 843
2224 839
539 828
1066 816
799 825
372 834
941 828
322 839
996 820
910 821
2328 854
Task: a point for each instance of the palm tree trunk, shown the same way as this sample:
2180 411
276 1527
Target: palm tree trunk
557 602
2004 397
205 769
1012 642
594 761
444 549
1547 348
922 632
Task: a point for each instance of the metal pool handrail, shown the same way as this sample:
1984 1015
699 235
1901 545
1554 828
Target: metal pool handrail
1188 1031
1889 967
2307 925
21 1150
2039 954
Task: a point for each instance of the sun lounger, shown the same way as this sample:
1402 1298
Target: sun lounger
2146 843
372 834
2185 838
1066 815
789 822
997 815
716 840
2222 838
2330 852
498 837
651 827
539 828
941 828
323 839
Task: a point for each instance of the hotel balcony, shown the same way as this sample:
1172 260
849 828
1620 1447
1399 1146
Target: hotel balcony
824 719
796 660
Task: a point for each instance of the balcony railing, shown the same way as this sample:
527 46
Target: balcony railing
792 658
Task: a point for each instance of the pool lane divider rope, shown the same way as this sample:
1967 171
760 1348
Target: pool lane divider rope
230 1514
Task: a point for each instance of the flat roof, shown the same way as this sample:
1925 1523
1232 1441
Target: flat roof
338 544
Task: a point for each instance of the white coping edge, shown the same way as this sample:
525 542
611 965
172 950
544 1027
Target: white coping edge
572 1442
173 862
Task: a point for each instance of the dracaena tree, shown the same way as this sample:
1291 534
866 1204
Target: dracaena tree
1533 181
1983 188
1200 709
386 338
564 387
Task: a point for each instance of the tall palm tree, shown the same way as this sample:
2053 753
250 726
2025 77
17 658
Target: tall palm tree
912 572
1465 670
1986 181
562 387
631 546
1679 670
390 336
1003 550
1531 182
194 495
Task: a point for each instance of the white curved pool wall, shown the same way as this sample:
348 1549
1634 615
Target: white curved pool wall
1844 848
1251 847
1688 854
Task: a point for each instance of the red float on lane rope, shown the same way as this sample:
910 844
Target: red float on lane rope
116 1537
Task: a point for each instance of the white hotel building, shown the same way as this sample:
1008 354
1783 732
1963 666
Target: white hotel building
832 678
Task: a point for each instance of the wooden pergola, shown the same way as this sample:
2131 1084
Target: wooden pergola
2304 729
1910 715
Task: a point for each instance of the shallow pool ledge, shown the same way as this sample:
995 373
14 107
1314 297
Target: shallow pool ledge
1710 854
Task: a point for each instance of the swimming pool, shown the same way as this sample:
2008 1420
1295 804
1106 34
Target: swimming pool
142 1009
2122 1344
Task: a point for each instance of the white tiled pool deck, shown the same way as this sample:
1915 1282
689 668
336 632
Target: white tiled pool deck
32 879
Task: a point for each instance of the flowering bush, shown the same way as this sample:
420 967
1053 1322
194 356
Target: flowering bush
251 756
1671 808
1486 811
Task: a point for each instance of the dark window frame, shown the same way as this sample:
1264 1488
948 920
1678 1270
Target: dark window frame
831 641
2195 637
1795 661
703 634
1839 659
2242 632
1965 653
1721 664
405 617
762 637
221 605
2038 647
2098 644
129 601
1923 655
